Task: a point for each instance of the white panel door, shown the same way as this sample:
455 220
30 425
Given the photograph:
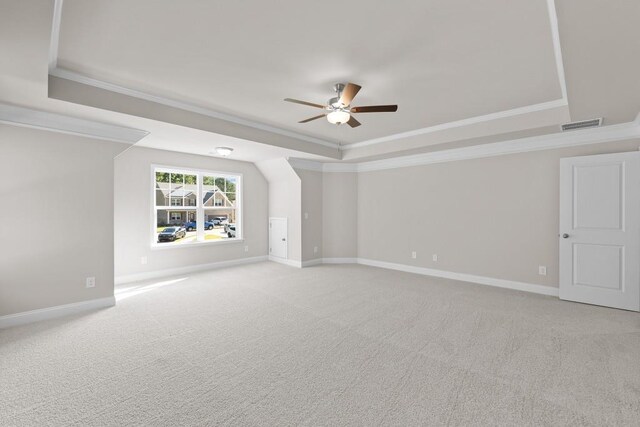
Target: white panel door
600 230
278 237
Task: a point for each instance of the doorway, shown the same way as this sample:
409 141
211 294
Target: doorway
278 237
600 230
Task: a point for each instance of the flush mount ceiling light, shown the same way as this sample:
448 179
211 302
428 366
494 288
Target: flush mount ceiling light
223 151
339 109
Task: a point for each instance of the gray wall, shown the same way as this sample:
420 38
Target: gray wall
340 215
133 213
311 213
495 217
56 218
285 201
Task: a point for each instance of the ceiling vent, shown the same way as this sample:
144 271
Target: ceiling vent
583 124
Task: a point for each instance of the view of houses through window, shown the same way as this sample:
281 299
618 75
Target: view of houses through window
193 206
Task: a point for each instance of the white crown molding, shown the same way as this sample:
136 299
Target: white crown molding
79 78
460 123
340 167
563 101
554 141
523 145
157 274
82 79
27 117
54 312
55 34
557 49
312 165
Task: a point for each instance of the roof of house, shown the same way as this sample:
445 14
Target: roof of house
186 190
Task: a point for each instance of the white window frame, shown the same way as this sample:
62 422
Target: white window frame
199 208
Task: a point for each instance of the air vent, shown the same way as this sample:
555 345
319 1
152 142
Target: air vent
583 124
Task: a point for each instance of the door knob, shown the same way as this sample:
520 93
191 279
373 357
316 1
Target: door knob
565 236
283 239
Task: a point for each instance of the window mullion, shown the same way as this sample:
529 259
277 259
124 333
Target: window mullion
199 210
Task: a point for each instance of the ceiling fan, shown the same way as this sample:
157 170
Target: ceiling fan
339 109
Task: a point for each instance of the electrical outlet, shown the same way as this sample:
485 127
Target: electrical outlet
90 282
434 257
306 215
246 248
143 260
542 270
414 255
315 249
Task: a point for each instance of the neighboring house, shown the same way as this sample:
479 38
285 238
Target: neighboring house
185 195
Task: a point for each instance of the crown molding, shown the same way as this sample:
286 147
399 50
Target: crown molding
557 48
55 34
620 132
27 117
461 123
340 167
563 101
80 78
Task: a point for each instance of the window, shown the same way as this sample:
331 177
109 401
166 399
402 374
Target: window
206 204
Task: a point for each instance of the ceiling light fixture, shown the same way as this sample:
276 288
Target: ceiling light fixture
338 117
224 151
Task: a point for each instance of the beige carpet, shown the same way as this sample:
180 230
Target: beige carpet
266 344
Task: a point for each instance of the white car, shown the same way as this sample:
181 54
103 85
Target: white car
231 230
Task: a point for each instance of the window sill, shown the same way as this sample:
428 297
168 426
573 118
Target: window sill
164 247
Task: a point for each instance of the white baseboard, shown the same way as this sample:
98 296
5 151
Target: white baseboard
119 280
340 260
463 277
489 281
315 261
289 262
310 262
56 311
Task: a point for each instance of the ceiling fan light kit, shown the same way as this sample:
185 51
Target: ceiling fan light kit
339 110
338 117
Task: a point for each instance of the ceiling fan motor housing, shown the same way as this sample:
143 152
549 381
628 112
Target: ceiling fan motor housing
335 103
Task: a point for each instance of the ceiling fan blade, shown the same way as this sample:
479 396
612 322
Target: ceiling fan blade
348 93
310 104
312 118
375 109
353 122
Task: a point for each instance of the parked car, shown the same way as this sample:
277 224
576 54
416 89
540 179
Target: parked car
191 225
171 234
231 230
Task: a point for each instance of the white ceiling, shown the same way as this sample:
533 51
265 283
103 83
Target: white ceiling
440 61
194 141
444 62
